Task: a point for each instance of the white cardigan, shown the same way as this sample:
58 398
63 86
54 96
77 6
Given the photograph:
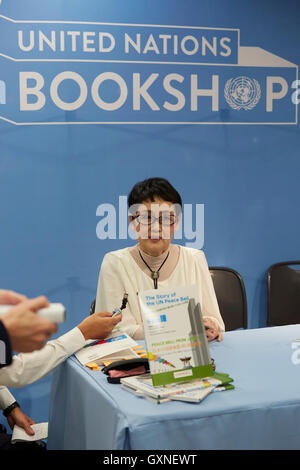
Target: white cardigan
119 273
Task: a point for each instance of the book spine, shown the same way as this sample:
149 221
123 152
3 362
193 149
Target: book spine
201 354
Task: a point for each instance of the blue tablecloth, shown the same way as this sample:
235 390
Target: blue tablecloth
262 412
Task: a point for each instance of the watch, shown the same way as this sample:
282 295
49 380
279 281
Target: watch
11 407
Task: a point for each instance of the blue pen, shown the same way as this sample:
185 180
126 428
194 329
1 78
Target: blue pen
116 311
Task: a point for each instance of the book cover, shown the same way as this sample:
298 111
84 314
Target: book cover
115 347
194 396
175 335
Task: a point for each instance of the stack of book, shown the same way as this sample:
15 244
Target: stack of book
193 391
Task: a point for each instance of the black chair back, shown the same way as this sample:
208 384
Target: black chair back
283 294
231 296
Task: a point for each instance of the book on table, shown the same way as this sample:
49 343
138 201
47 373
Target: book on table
175 335
194 390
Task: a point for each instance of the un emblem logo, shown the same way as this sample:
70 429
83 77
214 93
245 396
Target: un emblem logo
242 93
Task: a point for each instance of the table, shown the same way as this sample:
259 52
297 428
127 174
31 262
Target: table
262 412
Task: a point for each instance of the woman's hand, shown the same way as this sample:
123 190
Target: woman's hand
212 330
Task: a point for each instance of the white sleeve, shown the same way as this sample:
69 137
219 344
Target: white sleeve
6 398
110 292
29 367
210 307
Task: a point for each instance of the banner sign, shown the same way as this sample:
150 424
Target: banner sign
68 72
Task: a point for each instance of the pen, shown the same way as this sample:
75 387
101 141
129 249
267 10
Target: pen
117 310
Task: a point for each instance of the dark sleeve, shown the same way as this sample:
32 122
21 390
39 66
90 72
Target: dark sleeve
5 347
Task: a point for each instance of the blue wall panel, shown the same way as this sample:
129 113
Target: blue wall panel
53 177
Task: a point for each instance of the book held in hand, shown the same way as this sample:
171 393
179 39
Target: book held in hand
116 347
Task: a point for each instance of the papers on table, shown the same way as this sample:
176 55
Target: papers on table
192 391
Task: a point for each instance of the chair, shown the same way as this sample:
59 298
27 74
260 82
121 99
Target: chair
283 294
231 296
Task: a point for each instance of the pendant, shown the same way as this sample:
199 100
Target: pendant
155 275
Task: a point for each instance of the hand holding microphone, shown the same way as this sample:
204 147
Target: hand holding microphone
27 330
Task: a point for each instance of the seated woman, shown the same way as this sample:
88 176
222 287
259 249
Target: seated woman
155 211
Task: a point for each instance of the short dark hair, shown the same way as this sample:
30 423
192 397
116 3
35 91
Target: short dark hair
153 187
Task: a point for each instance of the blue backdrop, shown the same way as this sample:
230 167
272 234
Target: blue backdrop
55 176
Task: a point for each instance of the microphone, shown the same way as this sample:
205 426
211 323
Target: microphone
56 312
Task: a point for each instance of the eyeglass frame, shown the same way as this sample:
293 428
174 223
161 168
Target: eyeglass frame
154 219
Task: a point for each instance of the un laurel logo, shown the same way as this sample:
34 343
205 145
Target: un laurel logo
242 93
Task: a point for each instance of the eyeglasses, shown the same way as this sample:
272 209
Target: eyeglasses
149 219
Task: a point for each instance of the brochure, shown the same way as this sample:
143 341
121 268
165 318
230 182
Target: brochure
175 335
117 346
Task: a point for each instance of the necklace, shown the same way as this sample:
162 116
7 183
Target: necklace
155 274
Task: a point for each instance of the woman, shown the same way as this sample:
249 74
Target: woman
155 211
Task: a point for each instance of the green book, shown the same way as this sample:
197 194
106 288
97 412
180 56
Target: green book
175 335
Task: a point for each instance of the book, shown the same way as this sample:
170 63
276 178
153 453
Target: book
143 385
195 396
135 391
117 346
142 394
175 335
157 401
222 388
193 392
